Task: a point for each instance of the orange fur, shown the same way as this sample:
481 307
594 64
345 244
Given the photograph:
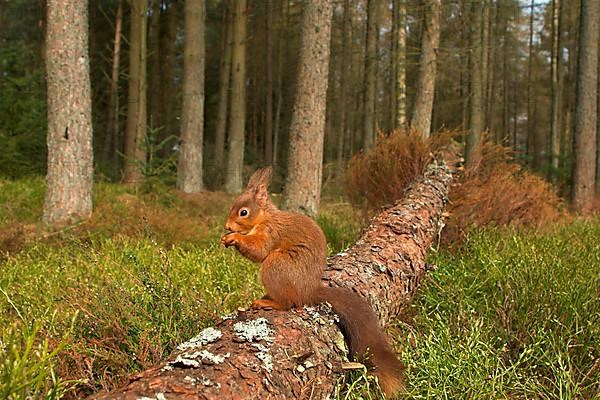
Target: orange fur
293 252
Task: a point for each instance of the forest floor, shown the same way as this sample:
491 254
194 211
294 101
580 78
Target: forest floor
506 314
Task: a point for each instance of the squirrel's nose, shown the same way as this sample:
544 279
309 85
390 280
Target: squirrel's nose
228 226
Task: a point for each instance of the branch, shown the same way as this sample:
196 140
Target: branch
262 354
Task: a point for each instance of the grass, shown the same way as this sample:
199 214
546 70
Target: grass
508 315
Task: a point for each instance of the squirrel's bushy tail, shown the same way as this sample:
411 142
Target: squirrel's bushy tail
361 327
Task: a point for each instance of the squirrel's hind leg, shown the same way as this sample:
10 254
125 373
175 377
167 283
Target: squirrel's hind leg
268 303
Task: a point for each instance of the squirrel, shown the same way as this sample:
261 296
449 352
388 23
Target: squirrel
293 252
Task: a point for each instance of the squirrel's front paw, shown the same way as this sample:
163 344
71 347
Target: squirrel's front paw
229 239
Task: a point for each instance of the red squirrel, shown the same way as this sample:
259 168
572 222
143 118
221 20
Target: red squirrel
293 252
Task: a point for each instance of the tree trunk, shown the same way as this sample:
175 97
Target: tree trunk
112 143
135 147
531 151
269 86
584 168
283 37
168 49
189 170
400 58
486 61
69 139
370 80
346 42
305 160
224 80
476 125
556 76
421 119
297 354
505 85
237 116
154 81
570 94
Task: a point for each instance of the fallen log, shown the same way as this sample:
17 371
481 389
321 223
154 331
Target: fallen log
267 354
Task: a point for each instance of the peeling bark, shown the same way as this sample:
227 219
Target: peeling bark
297 354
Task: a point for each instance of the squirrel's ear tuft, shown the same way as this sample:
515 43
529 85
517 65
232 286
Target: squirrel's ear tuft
261 177
258 185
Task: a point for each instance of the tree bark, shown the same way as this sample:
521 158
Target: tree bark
370 80
154 80
505 85
341 138
485 59
169 75
189 170
112 143
476 124
283 38
237 116
556 77
69 138
305 164
421 119
135 148
269 86
224 80
400 60
584 169
530 138
297 354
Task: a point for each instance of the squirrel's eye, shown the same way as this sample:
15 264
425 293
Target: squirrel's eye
243 212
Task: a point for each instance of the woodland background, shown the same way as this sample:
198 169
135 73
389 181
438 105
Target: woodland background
153 113
505 67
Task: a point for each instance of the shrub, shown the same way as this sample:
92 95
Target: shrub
492 190
495 191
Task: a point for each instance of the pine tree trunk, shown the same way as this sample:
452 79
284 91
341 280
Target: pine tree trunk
476 125
154 81
400 57
556 76
70 155
305 164
421 119
189 171
530 138
571 86
584 170
168 49
485 61
340 159
112 143
135 147
269 86
237 116
224 80
370 80
283 38
505 85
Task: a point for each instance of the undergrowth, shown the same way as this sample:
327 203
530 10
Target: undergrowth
492 189
508 314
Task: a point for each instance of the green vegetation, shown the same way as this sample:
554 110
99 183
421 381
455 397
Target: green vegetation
508 315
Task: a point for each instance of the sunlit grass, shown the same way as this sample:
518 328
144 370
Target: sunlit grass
508 315
511 315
